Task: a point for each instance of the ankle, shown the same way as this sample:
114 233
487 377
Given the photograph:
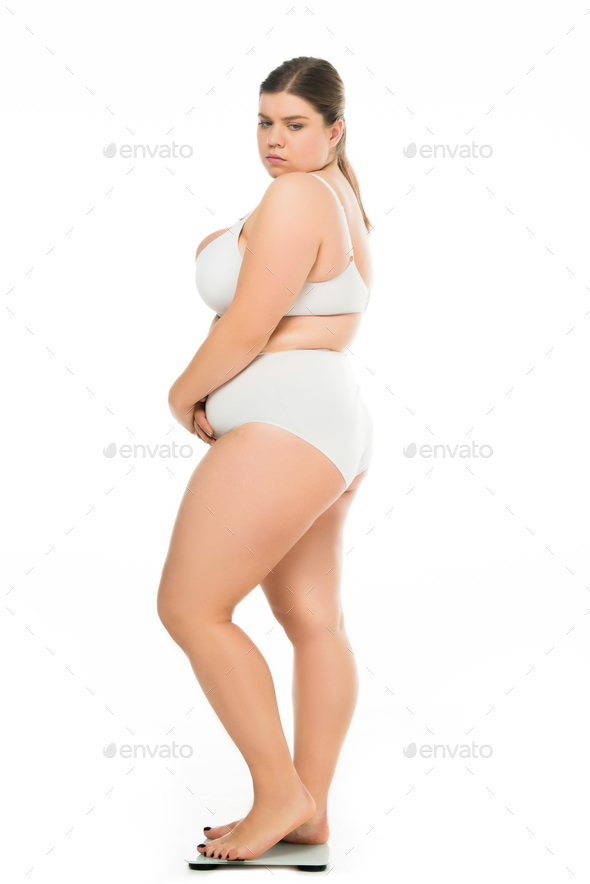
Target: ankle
321 811
284 783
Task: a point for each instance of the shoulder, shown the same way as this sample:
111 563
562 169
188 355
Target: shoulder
296 187
293 180
292 199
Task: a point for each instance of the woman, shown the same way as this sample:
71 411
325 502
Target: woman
272 383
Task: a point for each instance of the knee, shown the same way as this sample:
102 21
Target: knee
179 619
173 619
188 619
303 625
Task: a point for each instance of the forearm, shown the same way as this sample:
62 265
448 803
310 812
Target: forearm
222 355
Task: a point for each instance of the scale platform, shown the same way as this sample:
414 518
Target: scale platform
307 858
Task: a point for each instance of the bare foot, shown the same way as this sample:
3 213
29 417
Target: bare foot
267 823
315 830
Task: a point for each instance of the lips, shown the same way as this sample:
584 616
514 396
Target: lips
273 156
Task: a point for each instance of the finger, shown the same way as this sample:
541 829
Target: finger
203 422
202 435
205 427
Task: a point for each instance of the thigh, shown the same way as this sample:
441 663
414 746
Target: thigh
303 589
256 491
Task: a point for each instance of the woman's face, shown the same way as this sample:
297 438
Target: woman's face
290 128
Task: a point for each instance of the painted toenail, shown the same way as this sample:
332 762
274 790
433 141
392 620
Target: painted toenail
200 845
206 829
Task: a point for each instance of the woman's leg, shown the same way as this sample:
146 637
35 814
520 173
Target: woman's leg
252 496
325 681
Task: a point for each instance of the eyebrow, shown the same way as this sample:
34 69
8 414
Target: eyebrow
293 117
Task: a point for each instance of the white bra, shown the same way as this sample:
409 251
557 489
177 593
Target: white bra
218 266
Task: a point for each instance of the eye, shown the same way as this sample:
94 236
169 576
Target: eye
265 123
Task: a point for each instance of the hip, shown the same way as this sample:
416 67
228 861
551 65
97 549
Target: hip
319 384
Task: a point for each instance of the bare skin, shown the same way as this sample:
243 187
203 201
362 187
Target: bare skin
320 728
217 542
265 508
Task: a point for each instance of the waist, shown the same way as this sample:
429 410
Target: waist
314 333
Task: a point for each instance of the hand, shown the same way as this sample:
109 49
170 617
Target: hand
202 427
193 419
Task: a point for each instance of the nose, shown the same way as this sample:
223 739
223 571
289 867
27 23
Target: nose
272 139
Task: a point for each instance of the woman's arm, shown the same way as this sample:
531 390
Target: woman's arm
183 411
226 350
282 249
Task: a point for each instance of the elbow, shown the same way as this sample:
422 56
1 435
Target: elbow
173 400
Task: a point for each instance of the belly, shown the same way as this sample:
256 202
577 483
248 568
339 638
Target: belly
314 333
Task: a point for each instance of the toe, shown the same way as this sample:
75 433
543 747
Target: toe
214 832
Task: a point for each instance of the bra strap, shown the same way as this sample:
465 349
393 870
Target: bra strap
341 207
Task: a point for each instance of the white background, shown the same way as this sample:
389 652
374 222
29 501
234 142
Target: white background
467 580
